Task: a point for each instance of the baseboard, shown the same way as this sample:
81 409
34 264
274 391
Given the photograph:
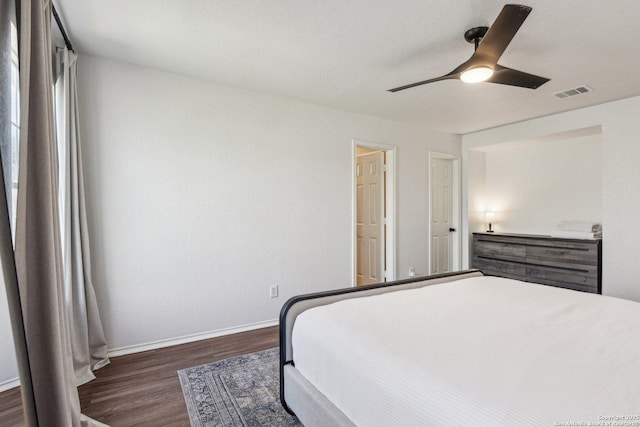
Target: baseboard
15 382
9 384
121 351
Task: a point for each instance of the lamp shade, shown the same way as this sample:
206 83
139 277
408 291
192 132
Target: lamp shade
490 216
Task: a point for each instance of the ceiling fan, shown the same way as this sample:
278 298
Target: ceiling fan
490 43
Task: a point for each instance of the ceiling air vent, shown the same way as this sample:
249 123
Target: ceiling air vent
574 91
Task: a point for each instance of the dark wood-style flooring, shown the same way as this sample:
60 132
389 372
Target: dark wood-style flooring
142 389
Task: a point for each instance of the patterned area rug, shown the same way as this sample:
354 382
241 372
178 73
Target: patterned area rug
239 391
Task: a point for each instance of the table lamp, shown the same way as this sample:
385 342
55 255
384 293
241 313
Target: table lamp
489 216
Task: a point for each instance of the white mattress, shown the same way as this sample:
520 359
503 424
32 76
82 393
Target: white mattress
479 351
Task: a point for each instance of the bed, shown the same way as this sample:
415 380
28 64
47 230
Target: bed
460 349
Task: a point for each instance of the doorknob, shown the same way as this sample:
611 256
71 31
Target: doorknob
452 230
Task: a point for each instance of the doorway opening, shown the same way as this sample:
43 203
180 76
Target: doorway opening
373 189
444 242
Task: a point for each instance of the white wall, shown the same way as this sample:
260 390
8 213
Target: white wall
200 196
534 186
473 195
620 179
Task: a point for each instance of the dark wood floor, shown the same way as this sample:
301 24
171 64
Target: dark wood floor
142 389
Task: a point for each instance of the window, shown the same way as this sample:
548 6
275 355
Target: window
9 108
15 131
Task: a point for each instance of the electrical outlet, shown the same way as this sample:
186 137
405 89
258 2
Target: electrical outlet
412 272
273 291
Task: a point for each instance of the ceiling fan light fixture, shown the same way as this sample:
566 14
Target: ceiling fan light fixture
476 75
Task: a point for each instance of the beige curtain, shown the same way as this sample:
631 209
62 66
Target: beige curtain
7 18
88 343
38 254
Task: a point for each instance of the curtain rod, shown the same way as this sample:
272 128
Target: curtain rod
61 27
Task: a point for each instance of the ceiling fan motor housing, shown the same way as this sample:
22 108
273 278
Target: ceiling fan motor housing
475 35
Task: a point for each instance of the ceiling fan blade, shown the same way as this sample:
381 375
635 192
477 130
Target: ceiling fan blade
502 31
511 77
424 82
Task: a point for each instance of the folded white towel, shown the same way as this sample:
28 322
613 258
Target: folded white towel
584 235
584 226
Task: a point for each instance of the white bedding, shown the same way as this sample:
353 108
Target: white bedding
475 352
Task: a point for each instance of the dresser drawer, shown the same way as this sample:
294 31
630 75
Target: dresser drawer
560 284
582 277
568 252
492 267
500 250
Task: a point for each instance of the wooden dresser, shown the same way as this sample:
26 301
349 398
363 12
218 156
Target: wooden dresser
566 263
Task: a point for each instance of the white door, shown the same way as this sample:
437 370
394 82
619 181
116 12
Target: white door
370 218
441 215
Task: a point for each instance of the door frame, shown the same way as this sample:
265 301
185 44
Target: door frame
390 208
456 249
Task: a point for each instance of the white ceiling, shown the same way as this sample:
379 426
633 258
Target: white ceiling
346 54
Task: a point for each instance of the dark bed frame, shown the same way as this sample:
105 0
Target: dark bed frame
298 304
